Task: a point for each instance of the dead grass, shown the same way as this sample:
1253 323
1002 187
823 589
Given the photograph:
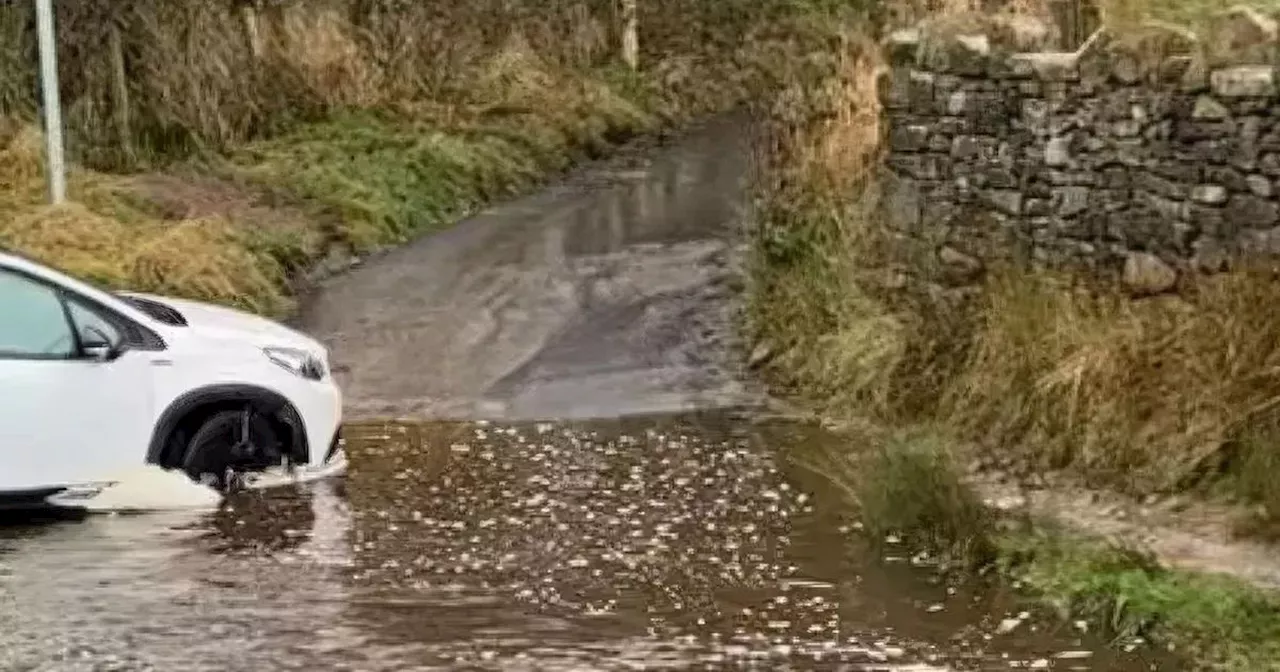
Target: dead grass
202 76
106 237
1151 395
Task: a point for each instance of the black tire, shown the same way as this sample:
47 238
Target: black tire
220 453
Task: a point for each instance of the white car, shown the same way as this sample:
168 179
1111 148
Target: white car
95 383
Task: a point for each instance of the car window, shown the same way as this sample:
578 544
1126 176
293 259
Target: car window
91 326
32 321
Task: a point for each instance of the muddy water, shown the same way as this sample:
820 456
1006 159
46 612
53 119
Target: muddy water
649 543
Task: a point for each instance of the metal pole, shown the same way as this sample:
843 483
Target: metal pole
52 106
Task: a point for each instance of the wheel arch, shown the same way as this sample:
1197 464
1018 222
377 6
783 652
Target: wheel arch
188 411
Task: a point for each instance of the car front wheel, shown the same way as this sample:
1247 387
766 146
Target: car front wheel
228 446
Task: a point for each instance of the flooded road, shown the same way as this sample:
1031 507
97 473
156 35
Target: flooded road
606 295
620 536
647 543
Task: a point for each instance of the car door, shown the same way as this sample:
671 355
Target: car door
65 416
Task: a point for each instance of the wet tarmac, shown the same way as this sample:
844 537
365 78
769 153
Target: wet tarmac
618 536
645 543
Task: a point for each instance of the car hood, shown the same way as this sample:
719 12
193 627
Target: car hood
211 319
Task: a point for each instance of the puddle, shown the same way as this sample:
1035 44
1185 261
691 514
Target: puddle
650 543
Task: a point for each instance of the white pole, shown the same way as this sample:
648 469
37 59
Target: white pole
52 106
630 34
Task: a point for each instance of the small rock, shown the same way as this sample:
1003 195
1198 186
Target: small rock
1008 625
1211 194
1244 81
759 355
1008 503
1259 185
1056 153
1145 274
964 267
1209 109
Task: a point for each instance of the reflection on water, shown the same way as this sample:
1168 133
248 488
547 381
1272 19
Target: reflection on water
667 543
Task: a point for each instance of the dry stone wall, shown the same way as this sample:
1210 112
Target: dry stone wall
1149 155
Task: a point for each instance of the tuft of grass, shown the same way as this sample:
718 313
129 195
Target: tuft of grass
906 483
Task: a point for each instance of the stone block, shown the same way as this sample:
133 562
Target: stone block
1209 194
1209 109
1056 152
1264 242
918 166
958 54
1244 81
902 204
920 93
909 137
1157 184
1252 212
1208 218
959 267
902 46
1007 201
1070 201
1145 274
1260 186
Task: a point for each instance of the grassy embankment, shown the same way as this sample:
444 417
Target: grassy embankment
1038 373
219 162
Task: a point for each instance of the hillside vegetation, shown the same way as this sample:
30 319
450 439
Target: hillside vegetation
220 148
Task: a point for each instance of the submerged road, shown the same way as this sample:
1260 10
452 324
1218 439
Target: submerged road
604 296
588 494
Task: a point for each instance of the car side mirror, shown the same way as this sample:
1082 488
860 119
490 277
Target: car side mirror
97 345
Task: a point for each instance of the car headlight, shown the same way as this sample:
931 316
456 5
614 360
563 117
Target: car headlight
298 362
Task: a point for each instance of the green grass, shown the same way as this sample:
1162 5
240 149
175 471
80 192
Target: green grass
906 483
387 179
385 182
1215 621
